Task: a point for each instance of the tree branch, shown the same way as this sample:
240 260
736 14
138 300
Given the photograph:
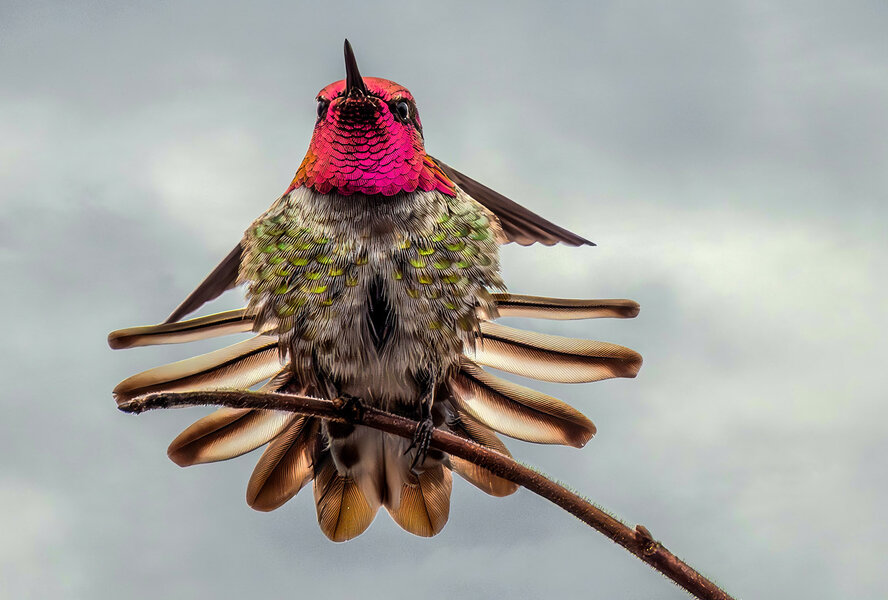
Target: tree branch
638 541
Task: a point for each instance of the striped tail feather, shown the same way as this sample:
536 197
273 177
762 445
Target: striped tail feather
517 411
463 425
551 357
240 365
285 467
540 307
425 503
344 511
227 433
201 328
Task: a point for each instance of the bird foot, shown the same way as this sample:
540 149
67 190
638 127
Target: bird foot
422 439
350 407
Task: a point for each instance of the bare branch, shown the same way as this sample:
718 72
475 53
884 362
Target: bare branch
638 541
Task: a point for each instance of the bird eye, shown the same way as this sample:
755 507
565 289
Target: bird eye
322 107
402 110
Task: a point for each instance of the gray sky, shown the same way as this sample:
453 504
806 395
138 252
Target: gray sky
727 157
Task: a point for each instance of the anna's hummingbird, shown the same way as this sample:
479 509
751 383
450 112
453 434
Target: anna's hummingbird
371 280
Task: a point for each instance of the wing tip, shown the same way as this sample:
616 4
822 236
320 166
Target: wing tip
566 242
181 311
220 279
519 224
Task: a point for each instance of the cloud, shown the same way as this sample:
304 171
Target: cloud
725 158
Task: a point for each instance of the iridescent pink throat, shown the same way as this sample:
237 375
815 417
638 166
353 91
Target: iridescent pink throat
359 147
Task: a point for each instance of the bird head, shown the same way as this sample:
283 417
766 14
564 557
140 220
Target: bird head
368 140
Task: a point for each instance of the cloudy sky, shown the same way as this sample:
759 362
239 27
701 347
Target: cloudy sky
728 158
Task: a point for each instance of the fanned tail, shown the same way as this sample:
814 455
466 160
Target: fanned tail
358 472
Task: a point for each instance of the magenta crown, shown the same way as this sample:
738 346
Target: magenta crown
368 140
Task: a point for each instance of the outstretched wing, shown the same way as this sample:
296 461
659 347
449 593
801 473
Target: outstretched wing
520 225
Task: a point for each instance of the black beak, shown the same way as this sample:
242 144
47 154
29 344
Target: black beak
354 84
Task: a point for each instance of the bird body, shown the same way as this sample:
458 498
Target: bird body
374 278
372 290
371 297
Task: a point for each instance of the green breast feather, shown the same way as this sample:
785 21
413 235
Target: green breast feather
302 273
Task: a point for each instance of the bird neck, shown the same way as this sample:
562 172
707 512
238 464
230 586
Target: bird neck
355 162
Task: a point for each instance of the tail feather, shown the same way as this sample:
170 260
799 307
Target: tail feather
550 357
225 434
224 323
540 307
425 503
240 365
465 426
285 467
517 411
344 512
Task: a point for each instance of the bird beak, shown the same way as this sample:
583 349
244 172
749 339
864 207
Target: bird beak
354 84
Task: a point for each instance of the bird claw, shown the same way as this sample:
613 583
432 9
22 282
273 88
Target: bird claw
350 407
422 439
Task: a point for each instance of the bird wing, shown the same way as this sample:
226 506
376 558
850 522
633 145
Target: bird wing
222 278
520 225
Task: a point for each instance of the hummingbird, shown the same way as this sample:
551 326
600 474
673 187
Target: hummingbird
375 279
